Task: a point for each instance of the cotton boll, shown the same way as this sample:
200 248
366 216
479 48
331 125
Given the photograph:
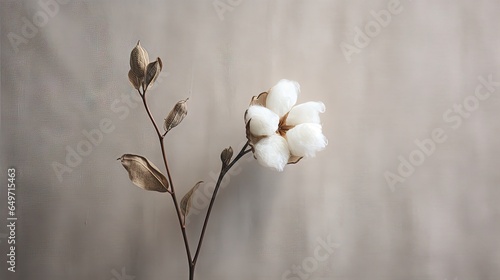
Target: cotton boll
272 152
305 113
283 96
306 139
264 121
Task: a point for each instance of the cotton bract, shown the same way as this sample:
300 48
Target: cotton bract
280 132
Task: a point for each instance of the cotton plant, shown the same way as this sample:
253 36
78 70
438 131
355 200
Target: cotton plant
278 133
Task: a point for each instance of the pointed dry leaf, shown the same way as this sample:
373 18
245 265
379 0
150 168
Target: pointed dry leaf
136 82
153 71
139 60
226 156
176 116
144 173
186 200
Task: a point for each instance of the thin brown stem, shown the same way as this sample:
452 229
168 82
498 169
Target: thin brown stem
222 173
180 217
161 138
176 204
143 95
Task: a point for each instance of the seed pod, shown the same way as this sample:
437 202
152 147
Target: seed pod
226 156
139 60
153 71
136 83
176 116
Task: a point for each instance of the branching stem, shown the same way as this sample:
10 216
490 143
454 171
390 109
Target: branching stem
222 173
161 137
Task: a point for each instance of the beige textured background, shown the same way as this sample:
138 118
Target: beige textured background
441 223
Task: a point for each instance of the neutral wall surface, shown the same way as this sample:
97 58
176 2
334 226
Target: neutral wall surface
427 72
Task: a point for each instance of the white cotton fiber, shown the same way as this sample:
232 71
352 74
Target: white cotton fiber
272 152
306 139
283 96
305 113
264 121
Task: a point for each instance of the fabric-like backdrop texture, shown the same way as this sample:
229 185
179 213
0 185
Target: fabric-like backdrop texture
426 67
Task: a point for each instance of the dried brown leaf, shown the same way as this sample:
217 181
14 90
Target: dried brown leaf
144 173
136 82
186 200
152 72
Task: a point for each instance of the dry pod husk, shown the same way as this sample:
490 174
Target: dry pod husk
176 116
260 99
153 71
139 60
144 173
134 80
